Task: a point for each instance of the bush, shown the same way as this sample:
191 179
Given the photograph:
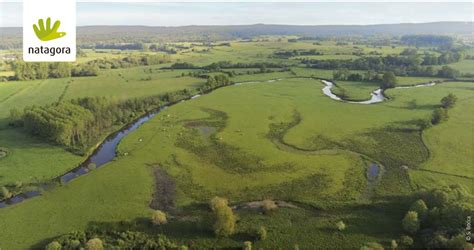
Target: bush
247 245
94 244
340 226
424 124
53 246
389 80
393 244
224 218
410 223
262 233
158 218
268 206
3 154
4 193
406 240
91 166
439 115
420 207
448 101
75 244
218 202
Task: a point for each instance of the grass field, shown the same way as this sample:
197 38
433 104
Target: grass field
450 143
282 140
181 140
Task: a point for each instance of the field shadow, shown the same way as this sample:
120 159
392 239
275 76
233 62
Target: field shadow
165 191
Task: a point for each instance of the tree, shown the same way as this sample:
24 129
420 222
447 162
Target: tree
158 218
393 244
4 193
389 80
410 223
340 74
224 219
406 240
440 197
268 205
54 245
409 52
94 244
247 245
424 124
340 225
218 202
420 208
262 233
16 117
439 115
355 77
448 72
448 101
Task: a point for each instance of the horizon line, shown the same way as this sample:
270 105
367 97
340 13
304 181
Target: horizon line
278 24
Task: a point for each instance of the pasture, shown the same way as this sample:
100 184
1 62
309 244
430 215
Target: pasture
275 136
183 141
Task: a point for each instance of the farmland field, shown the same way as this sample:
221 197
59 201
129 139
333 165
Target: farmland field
242 119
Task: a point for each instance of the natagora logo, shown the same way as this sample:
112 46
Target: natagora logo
49 30
47 33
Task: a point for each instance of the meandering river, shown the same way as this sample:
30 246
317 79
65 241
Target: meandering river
106 151
376 96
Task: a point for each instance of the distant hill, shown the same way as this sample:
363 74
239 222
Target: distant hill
201 33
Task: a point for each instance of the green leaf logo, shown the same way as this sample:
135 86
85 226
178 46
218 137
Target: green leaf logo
46 33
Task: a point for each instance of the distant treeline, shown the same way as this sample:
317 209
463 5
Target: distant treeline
400 65
11 37
291 53
130 61
228 65
43 70
40 70
119 46
77 124
428 40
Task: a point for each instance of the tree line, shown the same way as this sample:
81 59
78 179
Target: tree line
78 123
440 114
292 53
119 46
386 79
44 70
399 65
40 70
428 40
216 66
130 61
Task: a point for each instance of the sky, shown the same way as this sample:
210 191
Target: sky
319 13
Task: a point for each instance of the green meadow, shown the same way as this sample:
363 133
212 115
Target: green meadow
274 136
